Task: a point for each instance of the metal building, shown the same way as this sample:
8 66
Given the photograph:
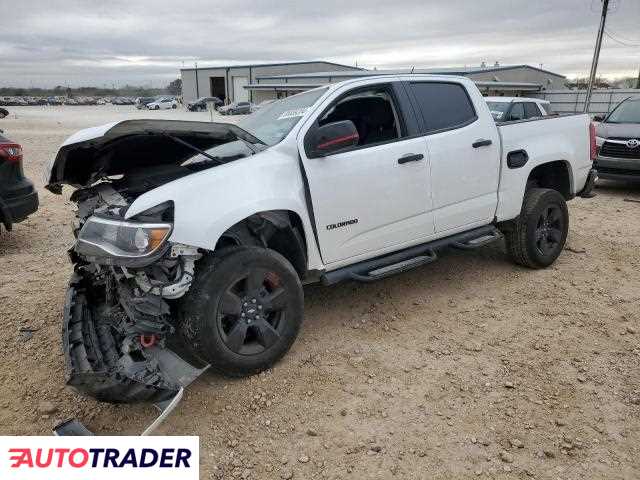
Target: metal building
230 83
512 80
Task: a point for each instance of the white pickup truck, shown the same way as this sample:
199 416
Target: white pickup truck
201 235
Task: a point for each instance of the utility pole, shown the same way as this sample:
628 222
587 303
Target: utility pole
197 86
596 55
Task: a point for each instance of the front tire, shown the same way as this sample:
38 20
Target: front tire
243 311
536 238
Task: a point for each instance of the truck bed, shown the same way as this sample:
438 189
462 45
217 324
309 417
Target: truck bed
562 139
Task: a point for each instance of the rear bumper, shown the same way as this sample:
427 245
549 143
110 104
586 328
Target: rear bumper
18 205
624 169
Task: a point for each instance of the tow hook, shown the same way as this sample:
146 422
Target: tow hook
148 341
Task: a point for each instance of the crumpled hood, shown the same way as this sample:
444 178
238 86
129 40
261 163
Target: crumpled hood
618 130
119 147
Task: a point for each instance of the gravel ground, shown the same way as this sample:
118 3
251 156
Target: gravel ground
469 368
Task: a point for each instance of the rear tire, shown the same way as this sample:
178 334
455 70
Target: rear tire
243 311
536 238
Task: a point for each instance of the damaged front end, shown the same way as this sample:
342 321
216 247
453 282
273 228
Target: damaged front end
119 319
120 333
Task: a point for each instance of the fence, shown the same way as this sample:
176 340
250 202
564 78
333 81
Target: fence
572 101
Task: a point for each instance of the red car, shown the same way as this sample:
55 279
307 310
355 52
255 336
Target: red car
18 197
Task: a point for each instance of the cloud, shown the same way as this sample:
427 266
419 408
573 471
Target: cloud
83 42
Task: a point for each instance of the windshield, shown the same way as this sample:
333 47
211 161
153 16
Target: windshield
273 122
626 112
498 109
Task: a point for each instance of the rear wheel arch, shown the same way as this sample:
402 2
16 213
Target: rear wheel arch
556 175
278 230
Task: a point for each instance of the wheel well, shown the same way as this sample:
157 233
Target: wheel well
553 175
279 230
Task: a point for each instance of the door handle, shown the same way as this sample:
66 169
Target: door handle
481 143
411 157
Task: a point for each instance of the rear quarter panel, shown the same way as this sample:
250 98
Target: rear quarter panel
549 139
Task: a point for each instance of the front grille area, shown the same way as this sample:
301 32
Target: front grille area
616 171
619 150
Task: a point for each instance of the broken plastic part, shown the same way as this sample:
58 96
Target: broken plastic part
104 357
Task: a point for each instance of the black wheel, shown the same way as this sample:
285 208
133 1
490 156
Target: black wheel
174 106
243 311
536 238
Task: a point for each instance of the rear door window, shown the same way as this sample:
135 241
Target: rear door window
444 106
517 112
531 110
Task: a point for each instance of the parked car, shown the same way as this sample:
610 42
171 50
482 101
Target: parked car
142 102
282 183
122 101
508 109
618 142
264 103
164 103
55 100
201 104
18 197
236 108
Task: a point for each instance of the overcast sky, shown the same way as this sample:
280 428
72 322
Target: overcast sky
106 42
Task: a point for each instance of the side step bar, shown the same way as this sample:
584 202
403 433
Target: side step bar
478 242
404 260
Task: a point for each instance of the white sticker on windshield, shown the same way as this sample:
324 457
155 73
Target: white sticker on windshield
298 112
497 114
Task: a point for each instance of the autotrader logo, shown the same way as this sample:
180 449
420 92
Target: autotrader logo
97 458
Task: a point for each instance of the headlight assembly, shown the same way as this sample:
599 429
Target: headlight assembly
106 237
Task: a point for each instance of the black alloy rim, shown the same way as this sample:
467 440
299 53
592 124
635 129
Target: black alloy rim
251 313
549 230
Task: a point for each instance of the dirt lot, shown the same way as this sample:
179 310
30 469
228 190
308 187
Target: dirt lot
469 368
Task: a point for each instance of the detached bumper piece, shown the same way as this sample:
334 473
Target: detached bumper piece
106 358
109 359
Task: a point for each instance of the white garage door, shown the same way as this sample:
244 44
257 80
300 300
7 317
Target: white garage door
240 94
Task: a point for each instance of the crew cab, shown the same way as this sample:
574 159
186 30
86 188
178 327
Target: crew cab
618 142
205 232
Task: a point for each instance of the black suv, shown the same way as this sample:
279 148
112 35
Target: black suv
18 198
201 104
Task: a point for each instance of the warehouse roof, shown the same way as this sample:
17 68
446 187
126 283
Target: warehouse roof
516 86
278 64
434 71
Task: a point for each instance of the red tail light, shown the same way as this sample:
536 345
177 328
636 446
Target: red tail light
592 141
12 152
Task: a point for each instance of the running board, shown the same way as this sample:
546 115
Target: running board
400 267
404 260
478 242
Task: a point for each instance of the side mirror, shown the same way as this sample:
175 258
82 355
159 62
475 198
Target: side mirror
598 118
331 138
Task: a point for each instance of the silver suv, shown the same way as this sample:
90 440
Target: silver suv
618 142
